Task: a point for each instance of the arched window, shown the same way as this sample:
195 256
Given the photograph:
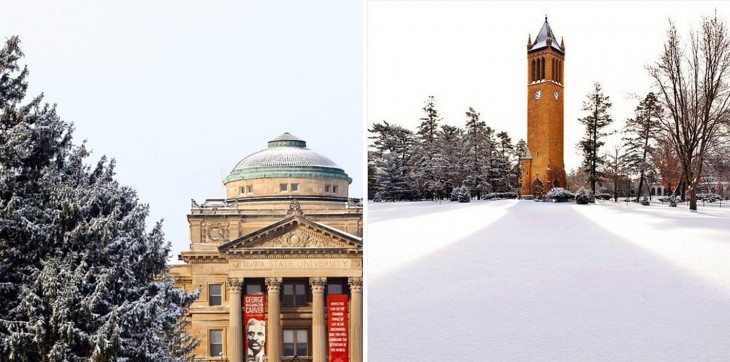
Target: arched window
542 68
560 72
532 71
553 70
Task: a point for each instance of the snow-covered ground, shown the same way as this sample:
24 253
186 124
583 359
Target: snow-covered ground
525 281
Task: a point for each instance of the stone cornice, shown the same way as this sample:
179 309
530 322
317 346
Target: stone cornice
205 258
294 253
310 253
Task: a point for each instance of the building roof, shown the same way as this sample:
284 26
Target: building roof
526 155
286 156
546 32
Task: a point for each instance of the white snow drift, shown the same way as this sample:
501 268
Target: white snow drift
526 281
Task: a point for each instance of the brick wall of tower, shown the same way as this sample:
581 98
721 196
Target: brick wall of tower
545 123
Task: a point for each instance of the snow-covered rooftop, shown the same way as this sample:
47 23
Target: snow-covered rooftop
546 32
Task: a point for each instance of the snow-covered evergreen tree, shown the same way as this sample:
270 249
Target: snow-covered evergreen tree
582 197
453 150
476 137
639 133
516 171
596 105
392 154
427 158
80 277
393 183
464 194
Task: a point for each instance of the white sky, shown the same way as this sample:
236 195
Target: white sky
179 91
471 53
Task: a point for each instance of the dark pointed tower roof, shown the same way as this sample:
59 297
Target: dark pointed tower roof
545 34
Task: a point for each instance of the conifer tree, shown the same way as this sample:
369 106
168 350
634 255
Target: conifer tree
519 151
477 141
80 277
639 137
393 183
427 159
597 105
392 155
453 150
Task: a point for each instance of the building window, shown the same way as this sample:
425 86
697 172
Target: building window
283 187
249 188
334 188
216 342
533 69
296 342
326 188
253 289
243 189
214 294
542 68
295 294
334 289
295 187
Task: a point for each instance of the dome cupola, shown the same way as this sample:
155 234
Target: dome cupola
286 168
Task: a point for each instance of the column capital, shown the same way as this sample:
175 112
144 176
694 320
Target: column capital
355 284
318 284
273 284
235 284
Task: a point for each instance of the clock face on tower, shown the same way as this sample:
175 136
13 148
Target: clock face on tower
556 95
538 94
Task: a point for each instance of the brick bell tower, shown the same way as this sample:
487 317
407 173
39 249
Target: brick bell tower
542 162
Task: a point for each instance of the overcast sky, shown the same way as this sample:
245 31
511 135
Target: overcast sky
179 91
471 53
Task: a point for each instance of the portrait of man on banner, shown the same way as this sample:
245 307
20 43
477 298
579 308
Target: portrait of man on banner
255 328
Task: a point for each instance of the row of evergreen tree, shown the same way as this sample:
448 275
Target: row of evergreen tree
81 277
431 162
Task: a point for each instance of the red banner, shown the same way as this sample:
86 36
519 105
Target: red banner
254 325
337 327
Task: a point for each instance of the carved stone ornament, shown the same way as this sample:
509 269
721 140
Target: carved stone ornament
298 239
294 208
273 284
318 284
235 283
355 284
216 233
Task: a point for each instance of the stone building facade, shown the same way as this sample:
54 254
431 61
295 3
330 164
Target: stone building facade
542 164
284 249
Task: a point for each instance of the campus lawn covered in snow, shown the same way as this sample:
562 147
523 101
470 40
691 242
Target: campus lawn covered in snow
524 281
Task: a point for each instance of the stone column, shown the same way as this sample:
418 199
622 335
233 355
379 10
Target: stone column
319 330
355 340
235 321
273 339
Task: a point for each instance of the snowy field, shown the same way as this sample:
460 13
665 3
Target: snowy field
524 281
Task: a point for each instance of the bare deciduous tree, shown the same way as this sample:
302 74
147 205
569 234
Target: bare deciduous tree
692 84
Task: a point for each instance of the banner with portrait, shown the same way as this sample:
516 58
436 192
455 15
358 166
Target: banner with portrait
337 327
254 327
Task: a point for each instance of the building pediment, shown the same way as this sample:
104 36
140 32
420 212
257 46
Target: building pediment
294 232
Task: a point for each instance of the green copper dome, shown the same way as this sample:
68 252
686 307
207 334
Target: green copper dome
286 156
